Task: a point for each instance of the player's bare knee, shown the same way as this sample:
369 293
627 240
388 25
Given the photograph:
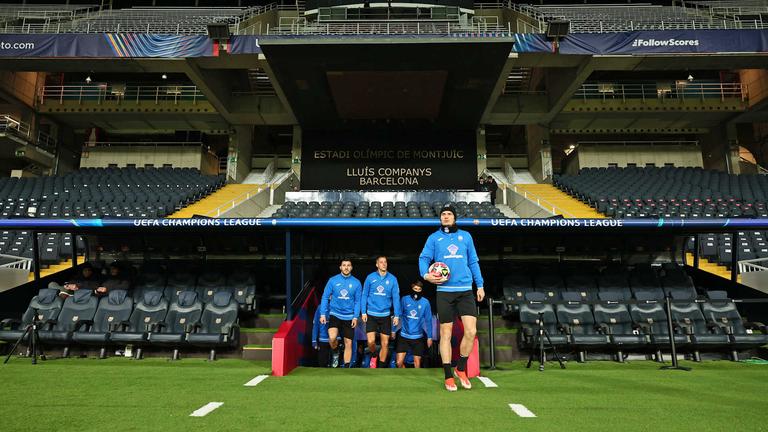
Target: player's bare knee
470 333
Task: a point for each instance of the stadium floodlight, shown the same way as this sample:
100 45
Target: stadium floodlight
218 31
164 76
690 77
557 29
88 79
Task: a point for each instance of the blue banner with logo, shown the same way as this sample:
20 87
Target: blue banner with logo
129 45
244 45
650 42
565 225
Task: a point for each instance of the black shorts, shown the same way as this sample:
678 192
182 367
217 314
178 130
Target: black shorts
379 325
451 304
344 326
417 346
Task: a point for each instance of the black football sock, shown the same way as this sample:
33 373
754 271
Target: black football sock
447 370
462 363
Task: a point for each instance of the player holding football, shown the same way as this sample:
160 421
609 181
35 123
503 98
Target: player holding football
455 248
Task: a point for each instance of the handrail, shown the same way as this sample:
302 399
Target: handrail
145 143
18 263
540 200
760 169
477 27
233 203
749 266
23 130
661 91
120 93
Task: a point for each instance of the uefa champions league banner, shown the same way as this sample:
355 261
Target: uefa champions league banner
649 42
237 224
128 45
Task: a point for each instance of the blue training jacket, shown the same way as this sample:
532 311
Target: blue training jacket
416 318
380 294
319 331
341 297
457 250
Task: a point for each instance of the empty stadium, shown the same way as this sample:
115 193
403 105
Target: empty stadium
184 184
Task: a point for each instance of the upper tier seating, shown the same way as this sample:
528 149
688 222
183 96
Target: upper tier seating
386 209
668 192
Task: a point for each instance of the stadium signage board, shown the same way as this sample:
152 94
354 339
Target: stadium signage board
401 160
535 224
649 42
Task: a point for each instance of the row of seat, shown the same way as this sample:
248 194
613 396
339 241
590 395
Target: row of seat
119 320
619 327
719 248
387 209
668 192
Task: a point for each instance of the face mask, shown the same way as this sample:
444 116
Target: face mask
416 295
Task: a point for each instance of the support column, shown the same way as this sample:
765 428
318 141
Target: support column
482 155
296 151
715 150
239 155
539 152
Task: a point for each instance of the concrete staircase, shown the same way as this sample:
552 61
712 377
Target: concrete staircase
256 339
550 197
55 268
507 211
267 212
218 202
710 267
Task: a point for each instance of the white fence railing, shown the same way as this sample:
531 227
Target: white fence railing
753 265
120 94
218 211
17 262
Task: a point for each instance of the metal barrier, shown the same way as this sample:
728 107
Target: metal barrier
17 262
481 28
660 91
20 129
753 265
120 94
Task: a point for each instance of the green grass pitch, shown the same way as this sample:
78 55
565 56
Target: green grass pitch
155 394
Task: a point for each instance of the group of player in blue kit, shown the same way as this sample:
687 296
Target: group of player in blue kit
346 302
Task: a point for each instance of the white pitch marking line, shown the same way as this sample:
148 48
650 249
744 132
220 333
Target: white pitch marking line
255 381
521 410
205 409
487 381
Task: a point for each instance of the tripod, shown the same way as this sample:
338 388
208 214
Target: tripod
538 339
35 346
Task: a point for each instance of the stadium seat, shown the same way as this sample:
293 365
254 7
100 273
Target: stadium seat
149 311
650 318
218 324
182 318
576 320
614 320
46 305
529 321
113 312
78 311
720 312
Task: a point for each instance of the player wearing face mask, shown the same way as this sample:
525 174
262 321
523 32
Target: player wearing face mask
416 322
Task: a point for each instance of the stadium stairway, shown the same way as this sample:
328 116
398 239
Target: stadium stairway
562 203
256 340
710 267
228 196
64 265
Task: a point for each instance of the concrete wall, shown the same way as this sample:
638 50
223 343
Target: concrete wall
250 208
524 207
756 81
178 157
602 155
537 136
